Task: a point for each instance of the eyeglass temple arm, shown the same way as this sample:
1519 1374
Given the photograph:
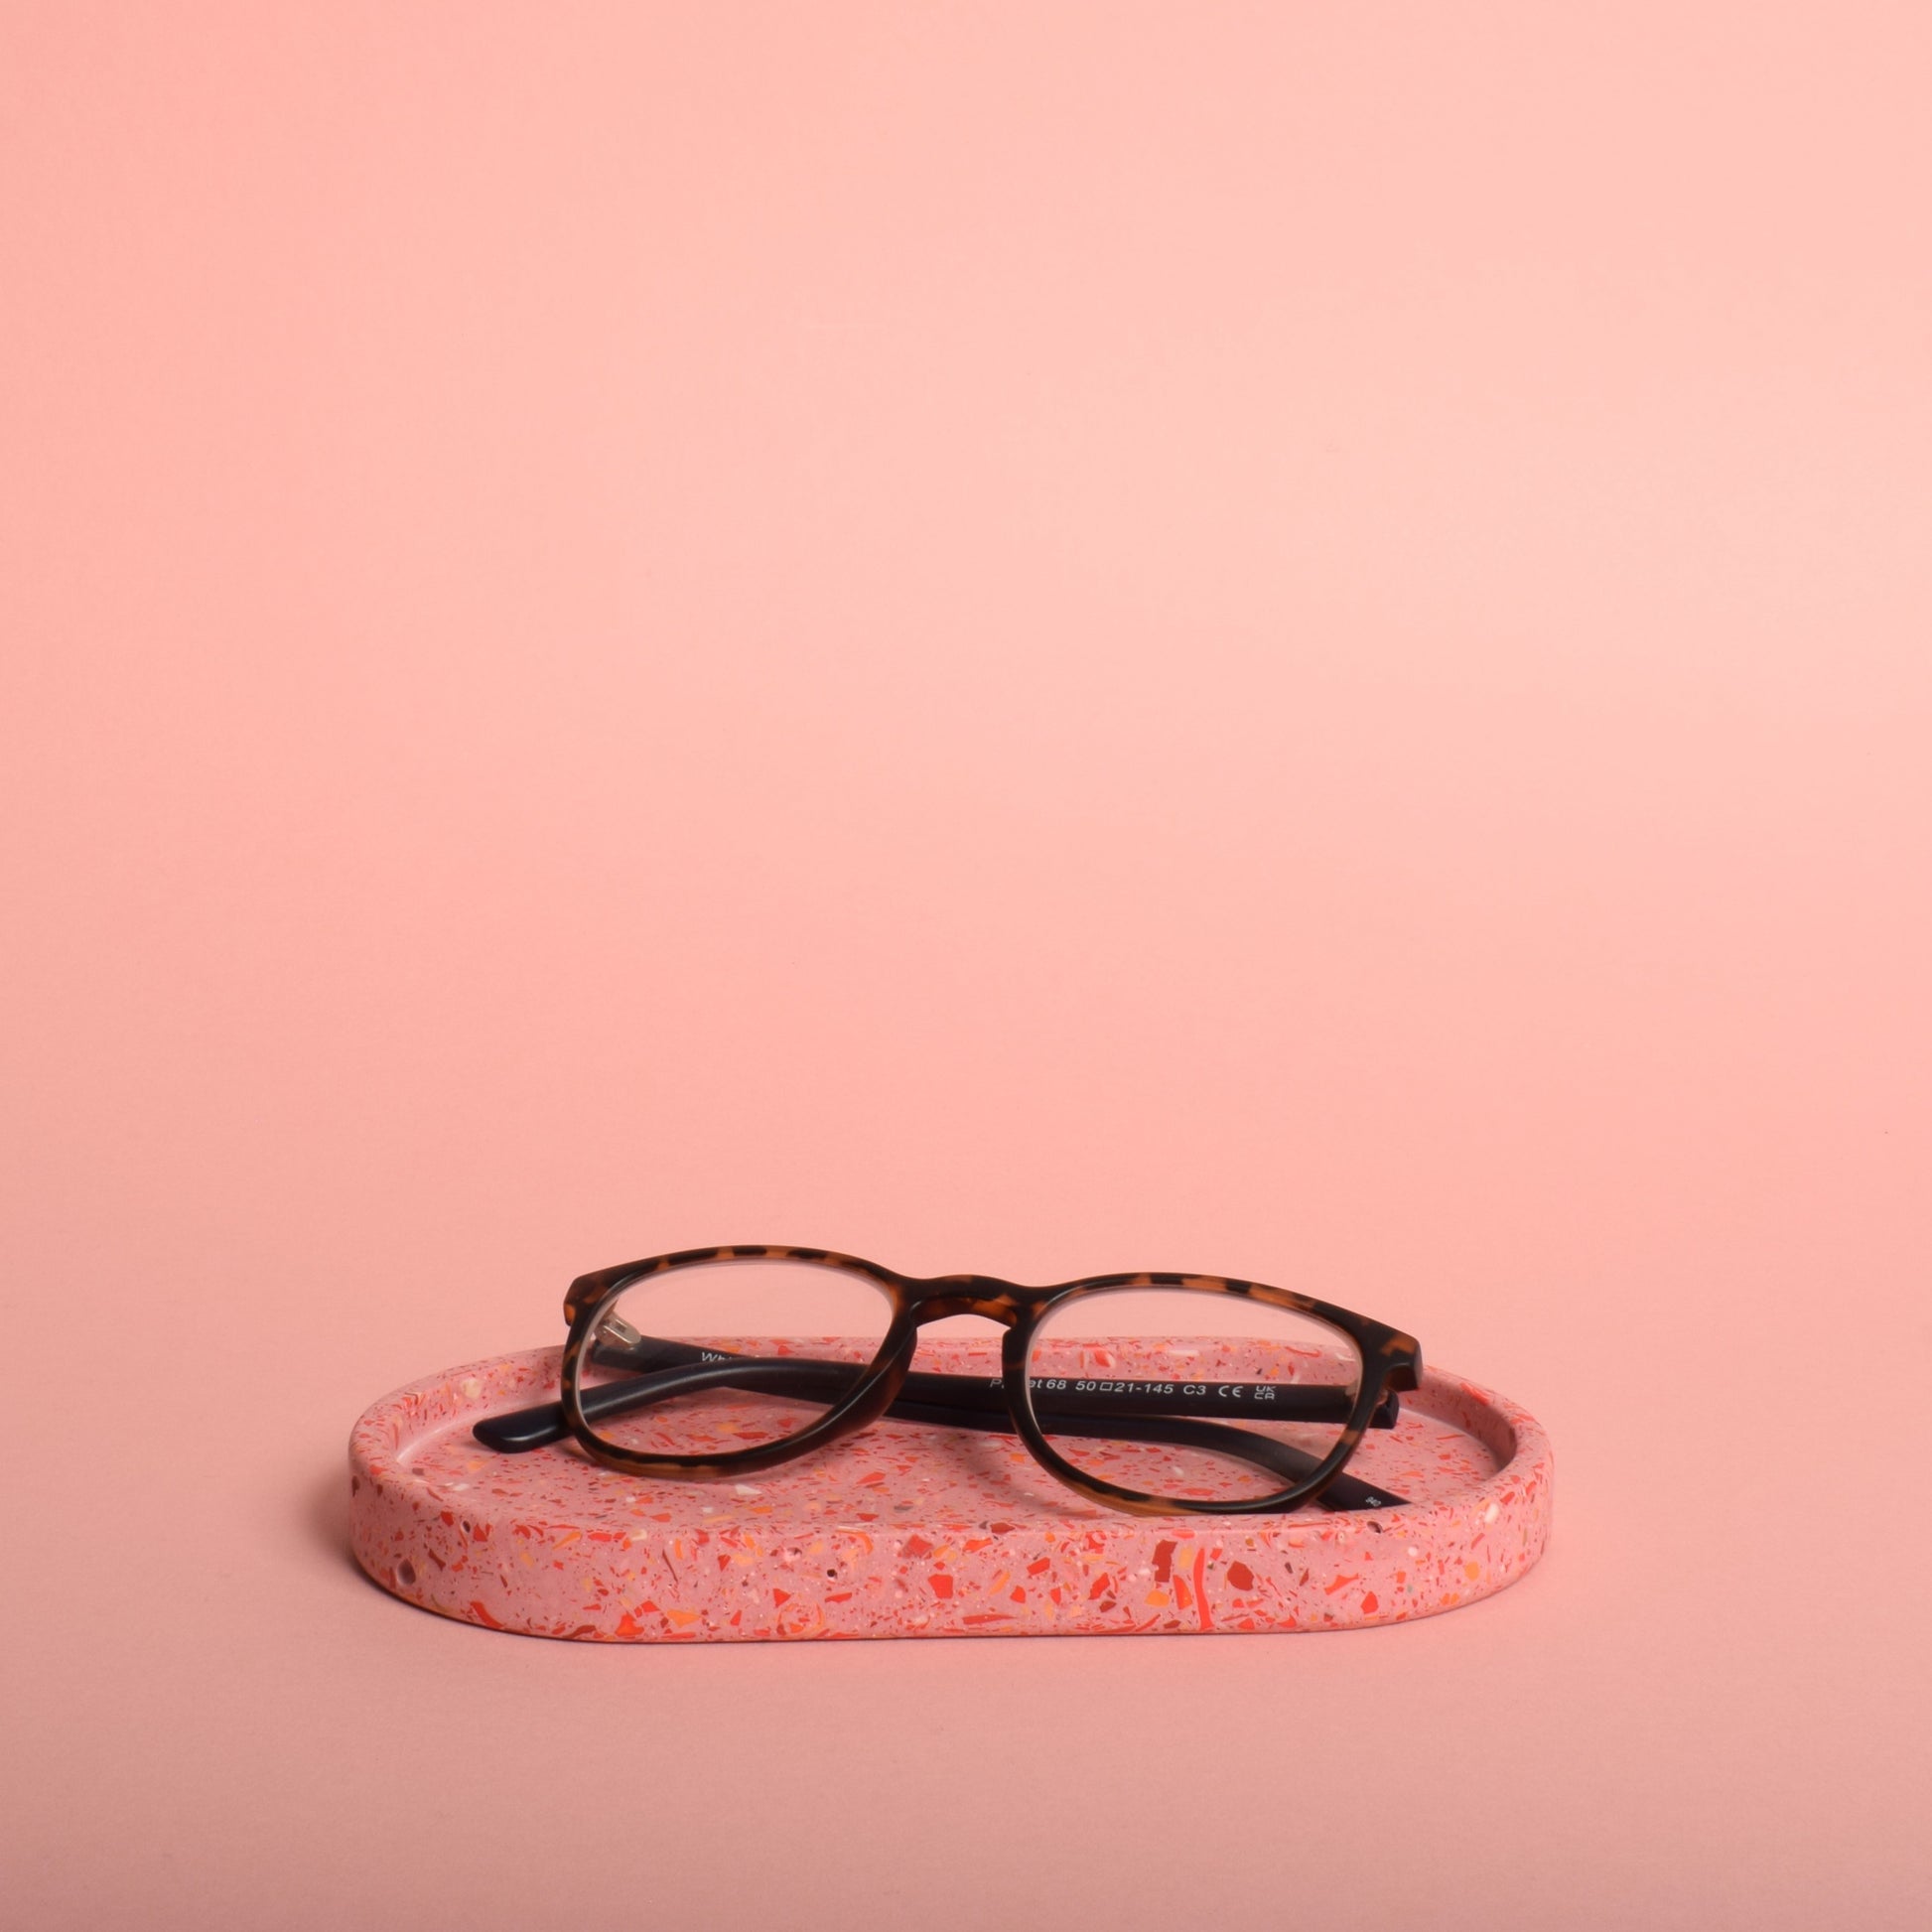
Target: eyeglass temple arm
1104 1396
1182 1432
964 1403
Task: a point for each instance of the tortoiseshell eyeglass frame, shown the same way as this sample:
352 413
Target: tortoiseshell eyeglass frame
1390 1361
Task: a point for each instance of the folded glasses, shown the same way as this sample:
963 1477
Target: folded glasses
1157 1394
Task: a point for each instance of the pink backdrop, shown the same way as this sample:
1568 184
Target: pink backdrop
1293 640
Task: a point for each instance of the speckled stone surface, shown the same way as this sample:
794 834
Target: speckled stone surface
910 1531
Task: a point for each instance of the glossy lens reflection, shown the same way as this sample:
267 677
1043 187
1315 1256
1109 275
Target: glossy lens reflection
727 1357
1192 1395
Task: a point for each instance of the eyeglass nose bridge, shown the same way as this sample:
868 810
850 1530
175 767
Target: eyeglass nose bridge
984 1295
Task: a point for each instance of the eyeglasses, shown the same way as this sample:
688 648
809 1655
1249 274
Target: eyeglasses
1156 1394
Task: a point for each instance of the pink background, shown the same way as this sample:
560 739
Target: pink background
1288 640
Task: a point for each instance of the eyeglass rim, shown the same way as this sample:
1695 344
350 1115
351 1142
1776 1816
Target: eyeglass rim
1390 1361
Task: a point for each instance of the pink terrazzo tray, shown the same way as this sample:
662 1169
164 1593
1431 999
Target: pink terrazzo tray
911 1530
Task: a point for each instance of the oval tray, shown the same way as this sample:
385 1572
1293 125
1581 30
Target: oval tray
910 1531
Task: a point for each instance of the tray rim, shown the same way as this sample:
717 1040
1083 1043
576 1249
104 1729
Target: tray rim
1522 1481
